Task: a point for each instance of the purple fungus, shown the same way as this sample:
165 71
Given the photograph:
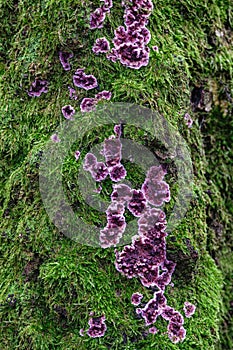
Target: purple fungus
103 95
160 298
101 46
83 80
88 104
97 327
140 260
131 36
111 234
37 87
167 313
155 48
107 5
177 318
155 190
165 277
118 130
130 42
99 171
189 309
176 332
145 33
121 193
112 55
151 312
112 151
77 155
149 277
55 138
133 17
137 204
117 172
133 56
64 59
188 120
72 93
81 332
97 18
110 237
152 224
115 208
145 5
156 173
153 330
68 111
90 161
156 193
136 298
120 36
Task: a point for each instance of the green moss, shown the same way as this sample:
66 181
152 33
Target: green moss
57 282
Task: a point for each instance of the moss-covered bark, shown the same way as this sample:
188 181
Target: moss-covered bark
48 283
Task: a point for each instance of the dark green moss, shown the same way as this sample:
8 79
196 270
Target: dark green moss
48 283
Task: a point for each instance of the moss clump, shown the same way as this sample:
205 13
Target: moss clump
48 283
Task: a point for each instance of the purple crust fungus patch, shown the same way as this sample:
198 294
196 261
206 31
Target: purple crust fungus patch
55 138
64 59
97 169
137 204
117 172
37 87
90 161
153 330
155 190
188 120
121 193
101 46
118 130
112 151
68 111
189 309
72 93
103 95
130 42
111 234
98 16
88 104
107 5
77 155
145 258
155 48
84 81
97 327
136 298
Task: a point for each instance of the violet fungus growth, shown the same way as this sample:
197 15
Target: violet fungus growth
83 80
189 309
97 327
37 87
64 59
68 111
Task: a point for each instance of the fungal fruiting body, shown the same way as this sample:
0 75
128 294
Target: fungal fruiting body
68 111
37 87
64 59
83 80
